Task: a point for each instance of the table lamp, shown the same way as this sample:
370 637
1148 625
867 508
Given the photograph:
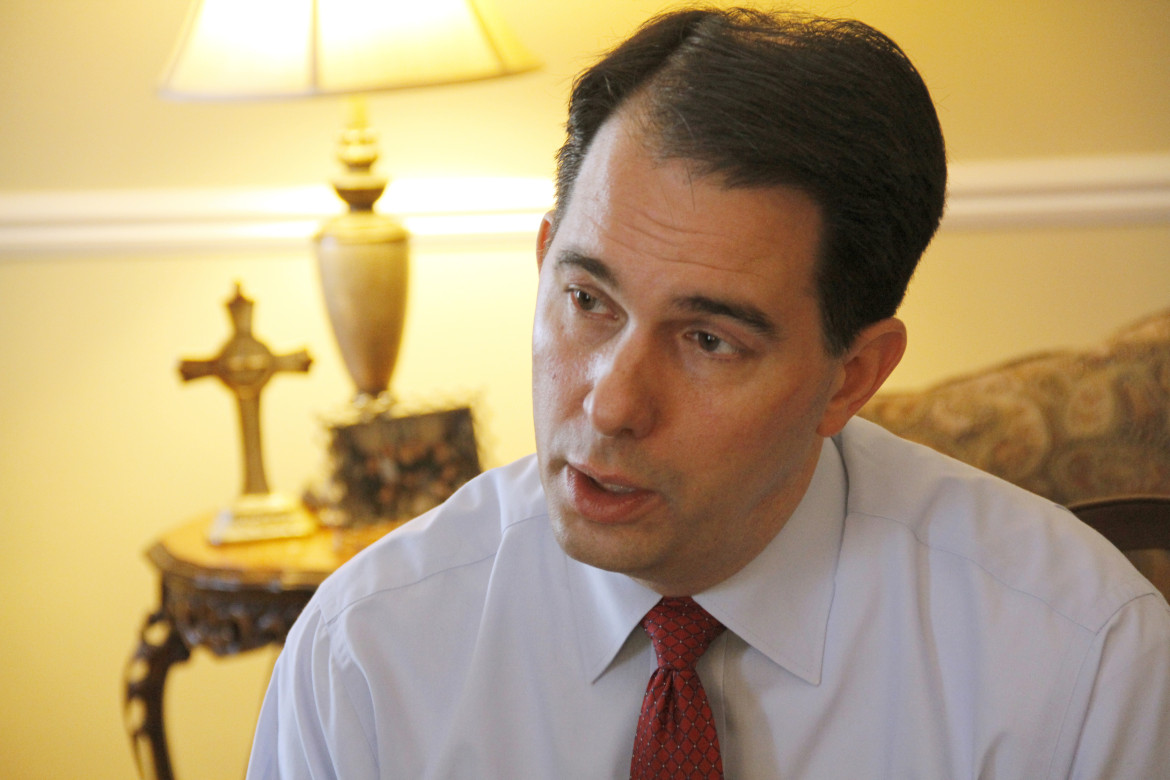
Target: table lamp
263 49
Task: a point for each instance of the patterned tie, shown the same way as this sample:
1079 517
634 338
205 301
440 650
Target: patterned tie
676 736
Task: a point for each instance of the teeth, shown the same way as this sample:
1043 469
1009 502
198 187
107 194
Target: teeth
621 489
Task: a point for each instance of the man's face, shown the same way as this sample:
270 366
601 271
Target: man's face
680 380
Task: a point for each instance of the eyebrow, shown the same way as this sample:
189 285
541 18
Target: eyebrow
590 265
746 314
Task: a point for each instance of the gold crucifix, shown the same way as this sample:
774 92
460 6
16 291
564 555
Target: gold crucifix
245 365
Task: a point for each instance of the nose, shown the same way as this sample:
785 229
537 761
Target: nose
621 401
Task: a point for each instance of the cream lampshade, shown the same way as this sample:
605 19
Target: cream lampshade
261 49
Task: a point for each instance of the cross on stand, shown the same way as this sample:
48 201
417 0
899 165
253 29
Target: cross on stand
245 365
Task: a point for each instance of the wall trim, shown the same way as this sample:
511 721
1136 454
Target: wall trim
1114 190
1071 191
439 213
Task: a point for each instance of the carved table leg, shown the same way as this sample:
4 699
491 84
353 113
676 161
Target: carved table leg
159 647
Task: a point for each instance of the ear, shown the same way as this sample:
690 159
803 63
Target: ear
875 353
544 237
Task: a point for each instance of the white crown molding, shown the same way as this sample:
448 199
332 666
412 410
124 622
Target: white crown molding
481 212
438 213
1072 191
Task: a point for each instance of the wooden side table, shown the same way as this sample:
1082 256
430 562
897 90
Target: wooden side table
228 599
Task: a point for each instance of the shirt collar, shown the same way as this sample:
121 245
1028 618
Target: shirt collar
606 607
778 603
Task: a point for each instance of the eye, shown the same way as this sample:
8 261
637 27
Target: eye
583 300
712 344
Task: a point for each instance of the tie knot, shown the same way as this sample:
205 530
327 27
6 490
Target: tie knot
681 630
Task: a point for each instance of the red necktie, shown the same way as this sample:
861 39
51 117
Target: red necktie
676 733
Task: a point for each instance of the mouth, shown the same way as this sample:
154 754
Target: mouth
605 498
617 488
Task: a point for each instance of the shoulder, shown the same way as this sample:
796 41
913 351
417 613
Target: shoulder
1010 538
394 630
451 542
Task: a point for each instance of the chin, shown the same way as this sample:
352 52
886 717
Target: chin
612 548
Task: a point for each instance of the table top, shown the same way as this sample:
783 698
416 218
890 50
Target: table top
273 564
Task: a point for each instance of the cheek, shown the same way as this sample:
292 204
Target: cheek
551 367
544 341
747 427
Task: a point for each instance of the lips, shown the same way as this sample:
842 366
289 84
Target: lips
605 499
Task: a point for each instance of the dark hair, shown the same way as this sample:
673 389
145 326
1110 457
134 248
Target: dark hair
831 107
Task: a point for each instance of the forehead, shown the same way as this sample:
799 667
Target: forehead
630 204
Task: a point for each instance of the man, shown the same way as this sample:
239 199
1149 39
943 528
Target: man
741 201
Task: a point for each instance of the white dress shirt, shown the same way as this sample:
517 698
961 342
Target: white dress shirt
914 618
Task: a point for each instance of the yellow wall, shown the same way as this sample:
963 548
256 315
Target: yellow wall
103 447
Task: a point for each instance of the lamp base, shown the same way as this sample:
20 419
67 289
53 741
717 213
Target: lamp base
363 260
